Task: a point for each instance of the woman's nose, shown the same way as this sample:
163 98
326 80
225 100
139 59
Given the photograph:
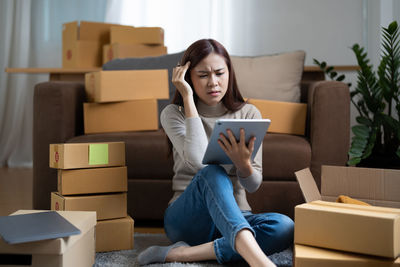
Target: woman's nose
212 81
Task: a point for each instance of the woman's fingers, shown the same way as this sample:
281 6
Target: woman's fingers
227 145
178 79
251 144
232 138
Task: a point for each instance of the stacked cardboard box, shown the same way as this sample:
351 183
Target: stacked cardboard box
93 177
134 42
338 234
82 43
90 44
124 100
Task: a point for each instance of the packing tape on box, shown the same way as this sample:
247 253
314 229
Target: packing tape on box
56 156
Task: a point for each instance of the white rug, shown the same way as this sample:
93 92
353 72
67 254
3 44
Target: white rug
125 258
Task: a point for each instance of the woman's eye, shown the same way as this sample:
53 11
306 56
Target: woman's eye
203 76
220 73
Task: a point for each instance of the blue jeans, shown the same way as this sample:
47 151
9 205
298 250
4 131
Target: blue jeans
207 211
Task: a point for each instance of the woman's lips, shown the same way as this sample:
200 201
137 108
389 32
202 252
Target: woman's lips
214 93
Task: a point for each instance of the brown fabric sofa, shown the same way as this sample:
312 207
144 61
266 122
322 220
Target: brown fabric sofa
58 118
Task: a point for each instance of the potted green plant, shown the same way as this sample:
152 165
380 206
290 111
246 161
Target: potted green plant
376 97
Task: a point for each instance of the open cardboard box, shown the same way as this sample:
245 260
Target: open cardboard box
75 250
346 227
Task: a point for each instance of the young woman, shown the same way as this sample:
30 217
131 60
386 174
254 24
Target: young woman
209 214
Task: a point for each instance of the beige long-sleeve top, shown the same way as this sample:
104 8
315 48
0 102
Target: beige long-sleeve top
190 136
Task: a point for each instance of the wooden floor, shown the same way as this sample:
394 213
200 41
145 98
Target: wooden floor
16 193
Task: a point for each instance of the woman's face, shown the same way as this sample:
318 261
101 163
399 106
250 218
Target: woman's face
210 79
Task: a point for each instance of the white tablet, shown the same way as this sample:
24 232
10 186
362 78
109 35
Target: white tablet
252 127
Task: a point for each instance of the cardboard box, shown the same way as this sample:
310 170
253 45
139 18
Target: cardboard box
82 54
137 35
107 206
76 250
134 115
86 155
306 256
92 181
123 85
286 117
114 51
354 228
114 234
378 187
82 45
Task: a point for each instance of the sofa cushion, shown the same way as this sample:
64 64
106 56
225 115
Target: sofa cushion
273 77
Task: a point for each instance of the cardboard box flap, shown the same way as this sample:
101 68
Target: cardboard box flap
381 212
308 185
82 220
70 32
362 183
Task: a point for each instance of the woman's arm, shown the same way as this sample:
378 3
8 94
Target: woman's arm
183 87
185 129
187 135
248 171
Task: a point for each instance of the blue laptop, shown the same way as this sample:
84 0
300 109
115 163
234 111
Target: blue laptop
31 227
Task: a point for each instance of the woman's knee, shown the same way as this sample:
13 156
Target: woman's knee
214 174
274 232
286 226
211 170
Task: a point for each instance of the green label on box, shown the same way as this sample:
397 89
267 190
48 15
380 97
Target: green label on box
98 154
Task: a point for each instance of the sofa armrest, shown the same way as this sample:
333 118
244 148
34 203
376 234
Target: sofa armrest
57 116
329 125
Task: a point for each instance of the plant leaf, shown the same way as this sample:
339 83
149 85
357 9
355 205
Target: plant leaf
363 120
392 27
353 161
361 131
340 78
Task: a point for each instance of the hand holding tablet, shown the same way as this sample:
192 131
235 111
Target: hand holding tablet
252 127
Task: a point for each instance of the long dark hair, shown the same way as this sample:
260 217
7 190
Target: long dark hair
195 53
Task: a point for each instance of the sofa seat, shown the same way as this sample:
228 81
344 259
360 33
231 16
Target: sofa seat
283 155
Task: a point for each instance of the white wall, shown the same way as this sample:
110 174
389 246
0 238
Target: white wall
324 29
